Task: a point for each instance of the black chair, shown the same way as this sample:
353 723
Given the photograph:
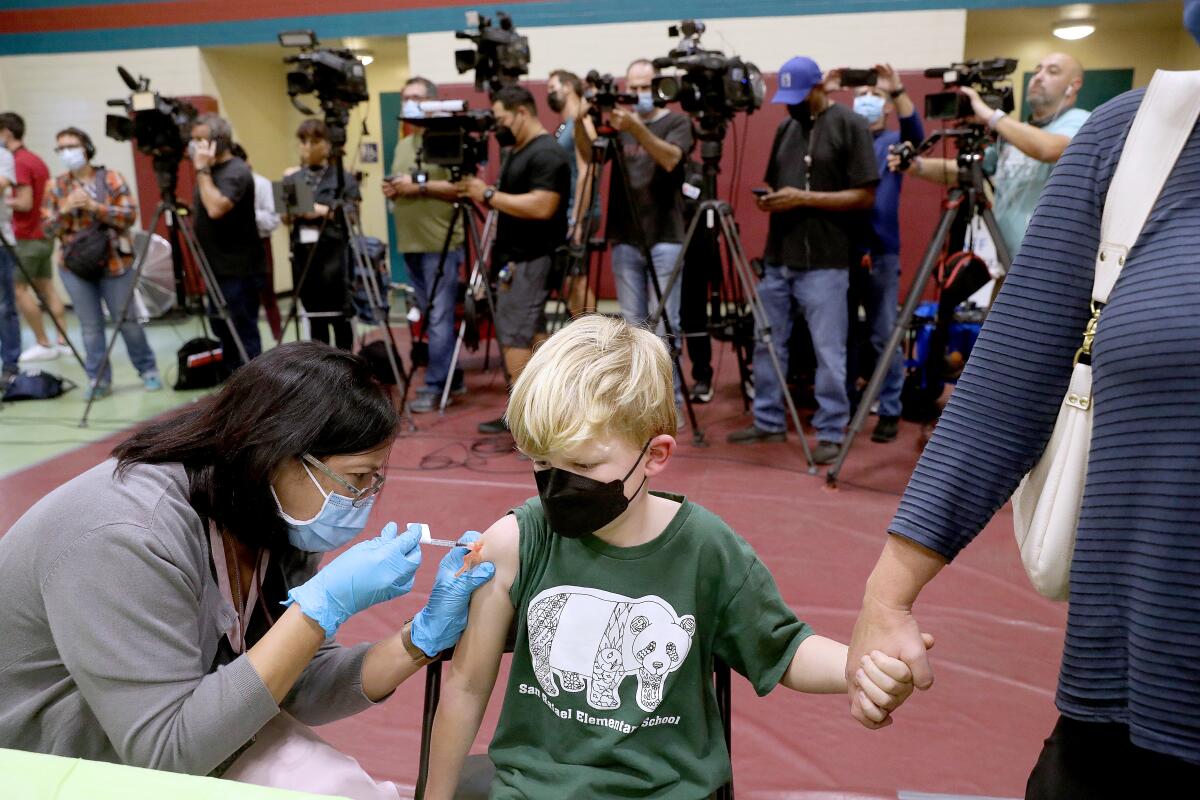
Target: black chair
478 771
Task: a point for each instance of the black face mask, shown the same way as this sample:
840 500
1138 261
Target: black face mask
505 136
801 112
577 505
556 103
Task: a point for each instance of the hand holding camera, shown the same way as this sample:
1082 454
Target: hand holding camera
472 187
624 119
983 112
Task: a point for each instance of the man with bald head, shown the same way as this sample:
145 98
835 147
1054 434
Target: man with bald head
1024 158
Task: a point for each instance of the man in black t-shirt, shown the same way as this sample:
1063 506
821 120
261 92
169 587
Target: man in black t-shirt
822 173
227 232
531 198
655 143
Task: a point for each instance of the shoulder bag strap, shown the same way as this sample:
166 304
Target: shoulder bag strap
1162 126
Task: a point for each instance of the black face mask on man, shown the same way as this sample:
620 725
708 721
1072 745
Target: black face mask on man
556 103
801 112
577 505
505 136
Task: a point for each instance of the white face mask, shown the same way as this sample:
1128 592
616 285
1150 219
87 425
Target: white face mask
73 158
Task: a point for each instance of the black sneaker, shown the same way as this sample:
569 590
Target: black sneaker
826 452
702 392
754 435
885 429
494 426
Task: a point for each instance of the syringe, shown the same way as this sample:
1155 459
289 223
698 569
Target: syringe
427 539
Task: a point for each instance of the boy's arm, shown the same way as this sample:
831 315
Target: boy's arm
472 672
818 667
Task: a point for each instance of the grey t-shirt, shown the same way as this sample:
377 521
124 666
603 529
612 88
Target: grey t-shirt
657 200
8 171
114 646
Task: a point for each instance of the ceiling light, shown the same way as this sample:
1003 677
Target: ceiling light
366 58
1073 29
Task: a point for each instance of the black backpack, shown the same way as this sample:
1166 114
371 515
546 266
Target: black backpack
201 364
36 385
88 251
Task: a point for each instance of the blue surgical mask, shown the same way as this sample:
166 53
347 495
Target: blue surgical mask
337 523
645 103
870 107
73 158
411 109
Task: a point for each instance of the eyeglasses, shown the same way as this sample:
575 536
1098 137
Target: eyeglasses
359 496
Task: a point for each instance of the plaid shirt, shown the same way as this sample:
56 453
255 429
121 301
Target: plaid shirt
117 210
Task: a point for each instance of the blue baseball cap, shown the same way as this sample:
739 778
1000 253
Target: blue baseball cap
796 79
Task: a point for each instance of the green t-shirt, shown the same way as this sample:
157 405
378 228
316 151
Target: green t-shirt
421 222
610 692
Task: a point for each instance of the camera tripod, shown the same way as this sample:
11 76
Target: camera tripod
346 214
603 150
11 249
478 285
968 194
719 223
174 215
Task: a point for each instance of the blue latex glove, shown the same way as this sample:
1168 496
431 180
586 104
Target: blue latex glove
438 625
370 572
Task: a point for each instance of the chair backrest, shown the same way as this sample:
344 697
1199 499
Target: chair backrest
433 693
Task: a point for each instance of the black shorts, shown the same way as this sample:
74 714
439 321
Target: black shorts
521 302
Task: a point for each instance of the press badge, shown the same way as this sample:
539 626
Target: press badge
309 235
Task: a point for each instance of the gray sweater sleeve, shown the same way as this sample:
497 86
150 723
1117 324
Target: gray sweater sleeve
131 648
330 688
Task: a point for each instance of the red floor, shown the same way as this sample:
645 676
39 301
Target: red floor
979 729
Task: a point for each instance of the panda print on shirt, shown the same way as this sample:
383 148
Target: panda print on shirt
591 640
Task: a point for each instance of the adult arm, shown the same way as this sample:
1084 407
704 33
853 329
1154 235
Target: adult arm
666 154
471 674
217 200
790 197
404 186
1003 410
21 199
265 217
117 208
1031 140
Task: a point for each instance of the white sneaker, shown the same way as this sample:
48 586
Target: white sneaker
39 353
63 349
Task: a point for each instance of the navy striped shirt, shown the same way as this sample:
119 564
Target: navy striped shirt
1132 651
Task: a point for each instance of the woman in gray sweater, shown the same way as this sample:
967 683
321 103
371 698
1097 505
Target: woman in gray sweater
143 601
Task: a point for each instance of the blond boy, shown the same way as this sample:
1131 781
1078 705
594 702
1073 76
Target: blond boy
623 596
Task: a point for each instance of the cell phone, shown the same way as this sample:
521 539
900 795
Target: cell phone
760 192
859 77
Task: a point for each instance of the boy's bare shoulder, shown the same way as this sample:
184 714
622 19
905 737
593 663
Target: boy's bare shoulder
502 546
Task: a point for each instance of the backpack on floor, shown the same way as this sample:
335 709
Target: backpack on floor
36 385
201 364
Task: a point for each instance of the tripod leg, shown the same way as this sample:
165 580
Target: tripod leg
480 244
16 259
915 292
762 323
215 295
139 265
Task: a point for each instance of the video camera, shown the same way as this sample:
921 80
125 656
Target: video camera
337 77
602 92
989 78
160 126
713 87
500 57
455 137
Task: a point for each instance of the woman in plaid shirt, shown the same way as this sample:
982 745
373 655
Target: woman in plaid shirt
73 201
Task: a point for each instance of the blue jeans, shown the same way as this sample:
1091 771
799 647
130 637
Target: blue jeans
10 323
881 304
242 297
438 320
85 297
635 292
820 296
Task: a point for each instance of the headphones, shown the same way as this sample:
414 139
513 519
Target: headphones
85 140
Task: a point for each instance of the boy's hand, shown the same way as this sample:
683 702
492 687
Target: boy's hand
884 683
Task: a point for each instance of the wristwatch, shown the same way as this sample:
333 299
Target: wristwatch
899 90
417 654
488 194
204 171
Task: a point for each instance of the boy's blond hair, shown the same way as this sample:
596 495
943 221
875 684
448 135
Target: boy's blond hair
597 376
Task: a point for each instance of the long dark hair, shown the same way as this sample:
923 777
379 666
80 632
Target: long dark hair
303 397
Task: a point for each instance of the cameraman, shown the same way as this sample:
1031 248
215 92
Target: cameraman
535 182
320 240
423 215
877 287
655 143
227 231
822 173
1022 163
564 95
